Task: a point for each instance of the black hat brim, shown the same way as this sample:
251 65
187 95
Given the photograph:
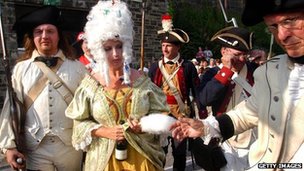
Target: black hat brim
234 37
255 10
173 36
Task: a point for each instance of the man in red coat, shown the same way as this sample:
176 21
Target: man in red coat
87 58
178 79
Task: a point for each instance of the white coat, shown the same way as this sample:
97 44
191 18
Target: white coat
280 124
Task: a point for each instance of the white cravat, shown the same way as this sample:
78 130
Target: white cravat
175 60
296 91
296 83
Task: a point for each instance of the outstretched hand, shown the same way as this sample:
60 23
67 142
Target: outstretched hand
187 127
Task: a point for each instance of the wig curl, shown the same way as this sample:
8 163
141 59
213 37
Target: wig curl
106 21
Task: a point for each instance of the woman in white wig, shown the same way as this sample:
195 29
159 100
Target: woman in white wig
108 105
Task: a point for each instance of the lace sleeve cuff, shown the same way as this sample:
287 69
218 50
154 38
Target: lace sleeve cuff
211 129
87 139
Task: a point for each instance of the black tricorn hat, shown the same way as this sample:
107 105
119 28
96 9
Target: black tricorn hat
173 36
235 38
44 15
255 10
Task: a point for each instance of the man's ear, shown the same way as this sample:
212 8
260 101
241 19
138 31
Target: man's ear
223 50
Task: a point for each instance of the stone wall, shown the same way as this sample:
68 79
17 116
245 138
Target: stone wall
153 12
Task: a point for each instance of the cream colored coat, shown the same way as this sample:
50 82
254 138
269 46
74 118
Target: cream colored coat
280 125
46 116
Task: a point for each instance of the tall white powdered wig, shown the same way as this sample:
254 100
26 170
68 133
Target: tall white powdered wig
110 20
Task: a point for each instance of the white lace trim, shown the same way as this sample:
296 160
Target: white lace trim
296 83
211 129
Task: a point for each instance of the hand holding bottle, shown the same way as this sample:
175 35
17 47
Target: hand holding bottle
114 133
121 152
15 159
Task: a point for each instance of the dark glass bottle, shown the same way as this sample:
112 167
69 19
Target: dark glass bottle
121 152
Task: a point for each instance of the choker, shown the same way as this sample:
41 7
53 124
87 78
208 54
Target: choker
298 60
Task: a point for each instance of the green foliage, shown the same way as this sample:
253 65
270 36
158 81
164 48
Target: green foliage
202 21
262 39
171 8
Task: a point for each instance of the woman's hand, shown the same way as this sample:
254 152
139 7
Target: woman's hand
115 133
134 125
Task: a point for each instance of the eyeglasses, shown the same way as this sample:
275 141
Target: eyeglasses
237 53
288 23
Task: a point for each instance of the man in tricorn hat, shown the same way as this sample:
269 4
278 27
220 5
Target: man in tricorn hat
44 79
277 100
224 86
178 78
236 44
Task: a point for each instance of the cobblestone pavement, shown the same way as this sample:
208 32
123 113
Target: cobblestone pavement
190 165
3 165
168 167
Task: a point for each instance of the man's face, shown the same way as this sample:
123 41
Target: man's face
170 50
46 39
85 48
235 57
288 30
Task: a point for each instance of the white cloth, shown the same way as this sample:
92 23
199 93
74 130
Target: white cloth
175 60
296 90
58 148
296 83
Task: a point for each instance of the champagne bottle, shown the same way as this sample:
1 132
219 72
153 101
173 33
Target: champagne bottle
121 152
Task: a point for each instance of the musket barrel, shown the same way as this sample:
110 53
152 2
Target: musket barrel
2 36
15 113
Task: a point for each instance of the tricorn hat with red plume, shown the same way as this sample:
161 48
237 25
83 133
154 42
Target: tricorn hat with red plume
170 34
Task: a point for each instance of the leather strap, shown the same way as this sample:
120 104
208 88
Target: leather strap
37 88
168 80
243 83
57 83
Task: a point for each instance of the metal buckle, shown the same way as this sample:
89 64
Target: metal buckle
57 84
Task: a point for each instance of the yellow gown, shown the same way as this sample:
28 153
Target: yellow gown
135 161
